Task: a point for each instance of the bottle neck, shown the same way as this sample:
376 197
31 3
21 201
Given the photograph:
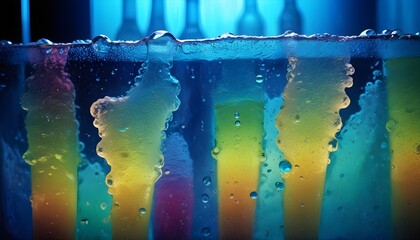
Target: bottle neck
157 10
290 4
250 5
192 13
129 10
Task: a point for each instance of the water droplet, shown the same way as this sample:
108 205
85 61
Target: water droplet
207 180
43 41
205 198
259 78
205 231
418 148
253 195
5 42
123 129
231 196
84 221
390 125
58 156
101 44
236 115
368 33
302 205
297 118
103 205
237 123
285 166
167 172
142 211
386 31
397 32
279 186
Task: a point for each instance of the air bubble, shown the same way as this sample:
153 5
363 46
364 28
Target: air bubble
279 186
236 115
205 198
101 44
285 166
368 33
142 211
297 118
123 129
237 123
259 78
253 195
207 180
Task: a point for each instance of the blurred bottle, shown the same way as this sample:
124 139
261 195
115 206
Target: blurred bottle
157 17
192 19
250 22
129 29
290 18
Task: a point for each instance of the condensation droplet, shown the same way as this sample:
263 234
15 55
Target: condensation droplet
253 195
207 180
205 198
259 78
101 44
142 211
279 186
285 166
368 33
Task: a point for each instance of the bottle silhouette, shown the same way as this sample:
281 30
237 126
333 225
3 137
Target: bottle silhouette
129 29
157 17
192 19
290 18
251 22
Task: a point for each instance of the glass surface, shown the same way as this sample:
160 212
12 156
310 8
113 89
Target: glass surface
228 138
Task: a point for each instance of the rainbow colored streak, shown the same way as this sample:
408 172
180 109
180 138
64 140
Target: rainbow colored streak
238 153
131 129
239 111
403 85
53 148
307 126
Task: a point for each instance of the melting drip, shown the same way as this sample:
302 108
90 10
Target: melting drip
402 78
307 123
53 151
358 177
135 154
